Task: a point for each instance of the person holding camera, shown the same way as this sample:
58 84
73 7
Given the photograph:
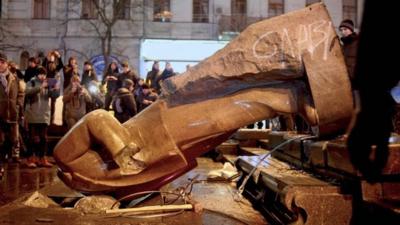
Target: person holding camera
146 97
91 83
37 114
111 80
88 74
76 97
53 64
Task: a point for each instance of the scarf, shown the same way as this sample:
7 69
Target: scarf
4 82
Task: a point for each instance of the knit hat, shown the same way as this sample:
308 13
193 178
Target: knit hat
3 57
125 64
348 24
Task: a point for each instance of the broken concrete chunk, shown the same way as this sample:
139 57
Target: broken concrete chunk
226 172
39 200
96 204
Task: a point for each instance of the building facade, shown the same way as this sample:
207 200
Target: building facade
86 29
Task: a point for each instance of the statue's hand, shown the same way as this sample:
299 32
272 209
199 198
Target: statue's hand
94 145
126 161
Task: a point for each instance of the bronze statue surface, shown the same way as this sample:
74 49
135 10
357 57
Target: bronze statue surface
290 64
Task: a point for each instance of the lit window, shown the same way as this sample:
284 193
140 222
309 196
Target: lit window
162 11
89 9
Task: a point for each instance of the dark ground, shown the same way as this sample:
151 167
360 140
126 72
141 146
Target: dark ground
216 199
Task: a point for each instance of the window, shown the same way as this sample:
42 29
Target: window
275 8
239 14
238 7
41 9
350 10
89 9
162 11
310 2
200 11
123 9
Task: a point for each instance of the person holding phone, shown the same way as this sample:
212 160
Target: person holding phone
37 115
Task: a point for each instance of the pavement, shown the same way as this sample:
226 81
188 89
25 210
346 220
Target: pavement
216 199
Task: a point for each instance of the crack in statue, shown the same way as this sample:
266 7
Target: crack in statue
304 74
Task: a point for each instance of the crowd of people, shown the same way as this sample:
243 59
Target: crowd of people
28 100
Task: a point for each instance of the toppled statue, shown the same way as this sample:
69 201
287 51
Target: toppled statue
291 64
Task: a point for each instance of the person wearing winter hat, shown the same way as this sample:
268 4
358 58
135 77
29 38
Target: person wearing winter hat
346 25
350 44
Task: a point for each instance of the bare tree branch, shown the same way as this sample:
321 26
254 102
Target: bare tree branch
6 35
102 10
108 13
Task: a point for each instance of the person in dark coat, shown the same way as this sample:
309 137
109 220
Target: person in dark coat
53 64
127 73
11 100
167 73
16 152
146 97
152 76
368 141
90 82
138 90
69 71
124 103
350 44
88 75
110 79
32 69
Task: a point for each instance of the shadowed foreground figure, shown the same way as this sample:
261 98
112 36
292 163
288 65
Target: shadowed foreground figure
374 78
291 64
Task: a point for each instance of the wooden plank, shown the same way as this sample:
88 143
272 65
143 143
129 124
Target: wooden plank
246 134
252 151
155 208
